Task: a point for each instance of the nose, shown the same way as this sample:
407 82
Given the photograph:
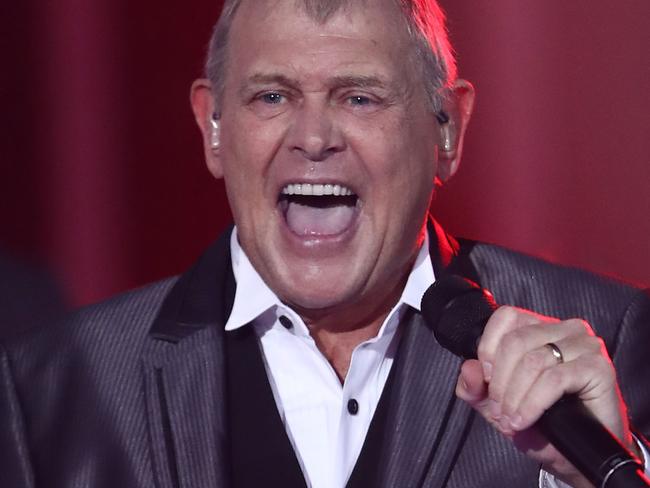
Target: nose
315 133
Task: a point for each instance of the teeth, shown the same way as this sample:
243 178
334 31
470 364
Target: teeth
317 189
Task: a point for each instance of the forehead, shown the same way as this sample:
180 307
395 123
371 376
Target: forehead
371 35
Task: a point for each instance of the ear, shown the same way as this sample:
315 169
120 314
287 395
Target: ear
457 105
203 106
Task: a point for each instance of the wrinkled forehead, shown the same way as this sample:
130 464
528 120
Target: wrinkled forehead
319 10
260 13
379 21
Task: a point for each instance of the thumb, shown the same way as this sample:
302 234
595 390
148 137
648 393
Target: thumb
471 386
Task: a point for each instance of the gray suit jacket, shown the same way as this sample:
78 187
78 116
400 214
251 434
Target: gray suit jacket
130 392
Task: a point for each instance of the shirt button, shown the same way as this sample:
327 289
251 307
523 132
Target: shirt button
286 322
353 406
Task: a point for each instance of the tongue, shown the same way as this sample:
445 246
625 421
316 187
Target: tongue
306 220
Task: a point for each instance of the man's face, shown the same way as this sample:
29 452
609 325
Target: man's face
340 107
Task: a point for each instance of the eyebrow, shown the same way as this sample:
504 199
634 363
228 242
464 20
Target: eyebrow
269 79
342 81
357 81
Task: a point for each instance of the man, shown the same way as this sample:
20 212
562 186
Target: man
294 353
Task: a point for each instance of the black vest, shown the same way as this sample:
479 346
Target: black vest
260 451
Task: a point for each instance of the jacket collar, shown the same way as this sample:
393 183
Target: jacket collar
205 293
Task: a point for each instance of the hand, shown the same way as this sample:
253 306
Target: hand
517 377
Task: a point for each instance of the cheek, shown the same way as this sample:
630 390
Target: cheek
408 180
400 162
248 148
417 166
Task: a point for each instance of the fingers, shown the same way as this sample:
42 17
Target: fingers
517 377
523 377
539 380
512 348
549 387
503 321
472 388
503 333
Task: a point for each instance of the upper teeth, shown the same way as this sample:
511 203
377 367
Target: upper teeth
309 189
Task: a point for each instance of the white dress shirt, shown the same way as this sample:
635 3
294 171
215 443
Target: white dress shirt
326 421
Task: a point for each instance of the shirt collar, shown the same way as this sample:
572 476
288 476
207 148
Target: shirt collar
253 297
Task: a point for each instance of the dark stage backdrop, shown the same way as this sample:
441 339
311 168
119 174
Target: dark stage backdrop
103 180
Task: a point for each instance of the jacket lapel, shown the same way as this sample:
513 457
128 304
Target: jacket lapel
419 424
426 423
185 378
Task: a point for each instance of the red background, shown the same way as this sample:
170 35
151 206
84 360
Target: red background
103 175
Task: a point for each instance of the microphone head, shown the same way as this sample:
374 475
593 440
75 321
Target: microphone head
457 310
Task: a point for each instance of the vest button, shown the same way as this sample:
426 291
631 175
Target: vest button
353 406
285 321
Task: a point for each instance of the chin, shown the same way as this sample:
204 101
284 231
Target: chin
311 296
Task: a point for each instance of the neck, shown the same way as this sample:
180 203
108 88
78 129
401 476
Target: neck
337 332
337 347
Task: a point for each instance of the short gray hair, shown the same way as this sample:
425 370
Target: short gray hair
425 22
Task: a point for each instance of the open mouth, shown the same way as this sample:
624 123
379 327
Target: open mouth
318 209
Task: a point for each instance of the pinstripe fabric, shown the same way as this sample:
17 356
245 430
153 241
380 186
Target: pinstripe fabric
425 422
129 393
83 403
617 312
193 393
18 470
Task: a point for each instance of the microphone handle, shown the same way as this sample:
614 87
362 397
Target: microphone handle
589 446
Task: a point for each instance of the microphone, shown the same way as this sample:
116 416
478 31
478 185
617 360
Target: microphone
457 310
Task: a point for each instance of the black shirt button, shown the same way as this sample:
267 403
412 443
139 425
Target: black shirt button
353 406
286 322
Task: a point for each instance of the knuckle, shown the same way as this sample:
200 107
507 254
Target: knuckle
535 361
602 348
513 341
506 313
579 326
595 345
595 352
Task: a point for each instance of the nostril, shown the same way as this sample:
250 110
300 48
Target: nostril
318 154
316 138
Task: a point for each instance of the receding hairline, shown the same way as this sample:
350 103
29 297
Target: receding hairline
319 11
320 17
436 60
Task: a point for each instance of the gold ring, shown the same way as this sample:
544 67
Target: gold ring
557 354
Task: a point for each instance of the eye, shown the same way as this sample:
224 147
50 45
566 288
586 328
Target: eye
360 100
272 98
